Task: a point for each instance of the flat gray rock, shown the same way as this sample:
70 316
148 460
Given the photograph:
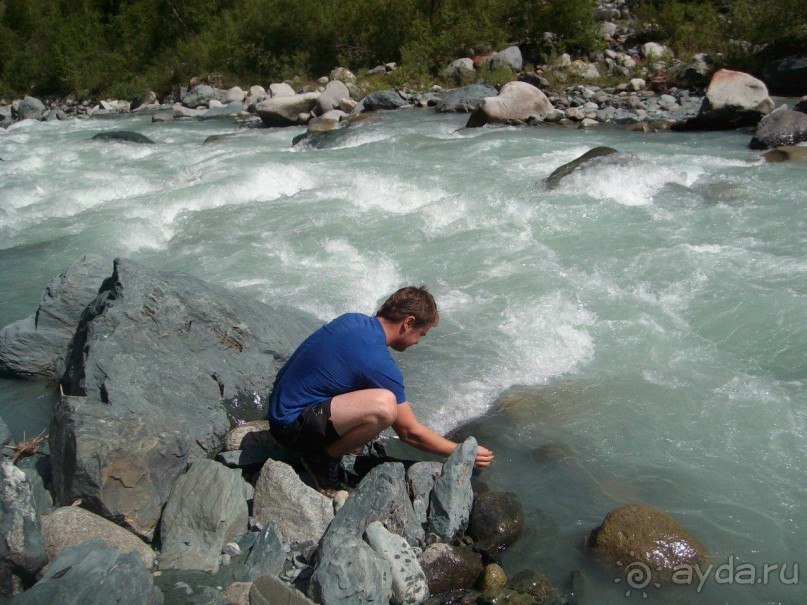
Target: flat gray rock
207 508
268 590
36 346
154 359
94 573
452 496
351 573
266 557
421 478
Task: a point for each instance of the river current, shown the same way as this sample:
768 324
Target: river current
645 322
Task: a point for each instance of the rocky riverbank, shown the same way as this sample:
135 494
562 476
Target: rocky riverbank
154 485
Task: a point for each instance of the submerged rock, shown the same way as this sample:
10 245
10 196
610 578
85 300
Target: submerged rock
123 135
643 534
36 346
786 154
94 573
153 359
554 179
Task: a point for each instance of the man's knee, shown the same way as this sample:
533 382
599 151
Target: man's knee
386 407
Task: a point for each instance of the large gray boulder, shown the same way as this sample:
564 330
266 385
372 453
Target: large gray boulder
154 358
300 513
22 553
199 96
207 508
509 57
335 92
459 67
281 89
421 478
30 108
465 99
94 573
36 346
382 99
452 497
70 526
589 157
287 110
733 100
518 103
779 129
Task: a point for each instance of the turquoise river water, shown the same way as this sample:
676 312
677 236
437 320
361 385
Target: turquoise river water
645 321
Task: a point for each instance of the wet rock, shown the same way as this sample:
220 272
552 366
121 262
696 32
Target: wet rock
641 533
268 590
330 120
518 103
408 580
207 508
382 99
94 573
22 553
351 572
199 96
497 520
267 555
801 105
286 110
152 361
465 99
450 568
126 136
72 525
533 583
300 513
786 154
554 179
787 76
779 129
250 435
493 578
733 100
420 478
36 346
452 497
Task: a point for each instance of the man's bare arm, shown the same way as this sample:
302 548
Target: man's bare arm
415 434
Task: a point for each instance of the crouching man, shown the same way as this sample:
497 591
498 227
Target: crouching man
341 388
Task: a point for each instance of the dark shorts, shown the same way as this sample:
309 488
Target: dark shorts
310 432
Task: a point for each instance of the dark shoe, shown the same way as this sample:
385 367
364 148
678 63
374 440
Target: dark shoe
327 473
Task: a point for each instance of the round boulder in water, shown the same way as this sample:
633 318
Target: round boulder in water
553 180
497 520
641 539
782 127
123 135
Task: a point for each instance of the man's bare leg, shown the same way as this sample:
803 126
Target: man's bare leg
359 417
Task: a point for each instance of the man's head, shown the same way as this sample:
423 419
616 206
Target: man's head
411 301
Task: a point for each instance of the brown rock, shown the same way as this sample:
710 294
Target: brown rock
493 578
71 525
642 534
247 436
450 568
785 154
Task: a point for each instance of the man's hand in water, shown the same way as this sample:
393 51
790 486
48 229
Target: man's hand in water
484 457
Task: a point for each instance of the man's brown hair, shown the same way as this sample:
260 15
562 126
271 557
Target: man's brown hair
414 301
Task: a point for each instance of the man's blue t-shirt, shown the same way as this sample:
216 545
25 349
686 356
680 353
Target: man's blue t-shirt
348 354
